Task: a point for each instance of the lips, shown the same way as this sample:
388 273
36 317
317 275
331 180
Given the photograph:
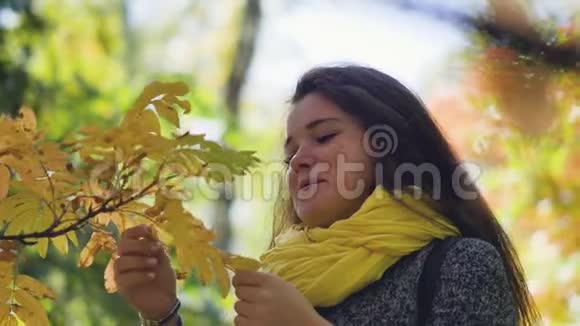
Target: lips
307 182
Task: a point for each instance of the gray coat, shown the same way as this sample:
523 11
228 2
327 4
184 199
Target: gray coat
473 290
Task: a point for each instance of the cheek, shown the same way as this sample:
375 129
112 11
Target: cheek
356 169
333 155
291 180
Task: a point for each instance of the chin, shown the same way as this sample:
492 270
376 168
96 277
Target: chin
314 217
312 213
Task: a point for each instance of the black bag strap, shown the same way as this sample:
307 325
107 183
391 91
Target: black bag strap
429 277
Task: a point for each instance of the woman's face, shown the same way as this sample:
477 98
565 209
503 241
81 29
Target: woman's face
329 174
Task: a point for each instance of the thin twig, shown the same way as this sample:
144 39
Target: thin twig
52 191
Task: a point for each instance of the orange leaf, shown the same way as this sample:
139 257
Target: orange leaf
27 119
99 240
110 284
8 250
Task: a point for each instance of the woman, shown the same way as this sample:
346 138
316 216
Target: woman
372 185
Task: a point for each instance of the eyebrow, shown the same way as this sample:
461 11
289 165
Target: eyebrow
312 124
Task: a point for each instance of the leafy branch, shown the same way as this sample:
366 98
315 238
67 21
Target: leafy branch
104 179
510 28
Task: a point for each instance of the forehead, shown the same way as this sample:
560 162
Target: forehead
312 107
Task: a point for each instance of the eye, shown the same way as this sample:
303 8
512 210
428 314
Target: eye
320 140
326 138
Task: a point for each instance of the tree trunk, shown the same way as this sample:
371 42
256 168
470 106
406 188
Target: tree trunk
236 78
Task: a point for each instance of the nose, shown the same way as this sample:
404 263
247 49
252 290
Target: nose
303 159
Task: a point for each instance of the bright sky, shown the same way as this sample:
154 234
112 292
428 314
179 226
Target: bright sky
295 38
299 34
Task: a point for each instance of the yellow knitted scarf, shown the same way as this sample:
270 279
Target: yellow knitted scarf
328 264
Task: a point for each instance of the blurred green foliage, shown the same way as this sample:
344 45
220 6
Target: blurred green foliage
69 61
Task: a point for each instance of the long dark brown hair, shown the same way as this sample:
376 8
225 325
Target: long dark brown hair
374 98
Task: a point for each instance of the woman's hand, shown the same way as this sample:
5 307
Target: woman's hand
267 300
143 273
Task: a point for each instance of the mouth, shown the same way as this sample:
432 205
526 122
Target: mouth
307 183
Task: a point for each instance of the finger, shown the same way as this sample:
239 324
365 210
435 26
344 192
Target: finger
243 308
126 264
241 321
132 279
251 293
142 247
139 231
248 278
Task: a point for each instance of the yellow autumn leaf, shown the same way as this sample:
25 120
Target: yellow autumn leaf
142 121
188 139
175 88
193 248
123 221
17 205
150 91
167 112
53 157
168 89
61 244
160 203
4 181
61 184
234 262
5 295
19 225
69 219
6 268
189 258
26 119
25 164
29 310
182 225
5 281
25 212
34 287
184 104
7 319
219 269
42 247
72 236
106 218
162 235
157 89
156 147
185 159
